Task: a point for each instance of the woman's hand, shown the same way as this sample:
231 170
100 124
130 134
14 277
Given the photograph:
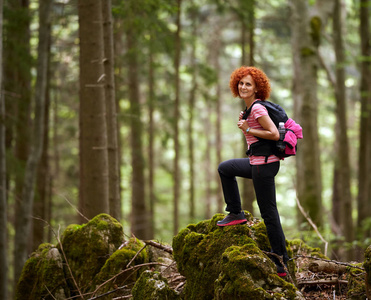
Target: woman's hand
243 125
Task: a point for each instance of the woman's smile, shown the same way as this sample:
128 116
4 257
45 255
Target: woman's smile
247 88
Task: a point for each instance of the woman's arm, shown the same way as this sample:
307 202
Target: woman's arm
270 131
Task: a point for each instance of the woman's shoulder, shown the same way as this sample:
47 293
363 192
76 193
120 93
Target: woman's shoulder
258 108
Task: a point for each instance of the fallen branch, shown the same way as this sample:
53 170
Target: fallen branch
327 267
331 261
135 256
118 274
110 292
167 249
312 224
322 282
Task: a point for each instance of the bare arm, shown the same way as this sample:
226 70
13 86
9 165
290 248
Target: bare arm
269 131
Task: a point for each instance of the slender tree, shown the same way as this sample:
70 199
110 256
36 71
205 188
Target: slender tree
139 216
176 176
247 39
305 39
364 162
191 109
111 119
3 194
342 164
151 136
93 197
43 171
23 230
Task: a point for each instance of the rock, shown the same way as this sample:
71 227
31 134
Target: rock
152 285
367 266
227 263
88 246
42 276
356 283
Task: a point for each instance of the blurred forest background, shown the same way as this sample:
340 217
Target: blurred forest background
123 107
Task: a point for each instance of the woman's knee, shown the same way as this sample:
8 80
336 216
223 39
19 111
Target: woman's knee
223 167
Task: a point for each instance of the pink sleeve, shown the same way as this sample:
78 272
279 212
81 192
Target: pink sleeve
258 111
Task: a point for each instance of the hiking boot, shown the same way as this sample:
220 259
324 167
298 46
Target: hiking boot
281 272
233 219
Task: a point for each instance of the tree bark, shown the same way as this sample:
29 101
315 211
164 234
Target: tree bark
305 40
93 197
364 162
43 175
151 139
111 119
139 216
176 176
191 106
342 158
248 194
3 194
23 230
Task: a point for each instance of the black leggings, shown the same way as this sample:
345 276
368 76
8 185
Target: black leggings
265 191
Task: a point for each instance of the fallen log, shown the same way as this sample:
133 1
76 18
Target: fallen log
326 267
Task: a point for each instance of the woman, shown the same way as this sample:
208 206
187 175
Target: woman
251 84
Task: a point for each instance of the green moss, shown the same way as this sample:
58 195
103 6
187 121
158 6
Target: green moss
306 51
367 265
315 26
42 276
356 283
226 262
298 247
88 246
259 233
117 263
151 285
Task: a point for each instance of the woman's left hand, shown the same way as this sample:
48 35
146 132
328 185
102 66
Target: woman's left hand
243 125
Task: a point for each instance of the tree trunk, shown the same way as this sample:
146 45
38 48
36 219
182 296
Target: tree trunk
23 231
305 39
207 159
18 82
176 171
139 216
3 194
342 158
364 162
151 139
248 194
111 119
93 198
191 106
43 176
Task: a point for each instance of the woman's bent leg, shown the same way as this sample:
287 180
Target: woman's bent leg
228 170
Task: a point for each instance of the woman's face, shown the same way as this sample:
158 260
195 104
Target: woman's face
247 88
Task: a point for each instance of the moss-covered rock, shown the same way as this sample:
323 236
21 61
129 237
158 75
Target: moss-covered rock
227 263
116 265
298 247
151 285
367 266
356 283
42 276
88 246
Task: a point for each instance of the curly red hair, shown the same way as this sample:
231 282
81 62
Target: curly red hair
261 81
